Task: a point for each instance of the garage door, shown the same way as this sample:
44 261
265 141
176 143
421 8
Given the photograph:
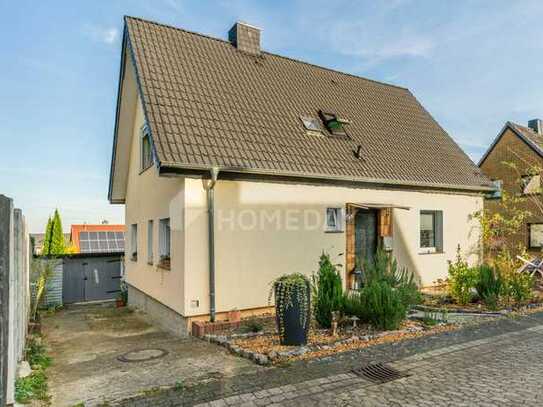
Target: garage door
91 278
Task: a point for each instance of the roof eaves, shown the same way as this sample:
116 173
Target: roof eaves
166 166
126 45
117 112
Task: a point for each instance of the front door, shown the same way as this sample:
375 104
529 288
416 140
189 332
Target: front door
366 237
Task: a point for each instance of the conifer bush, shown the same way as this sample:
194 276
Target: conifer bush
327 291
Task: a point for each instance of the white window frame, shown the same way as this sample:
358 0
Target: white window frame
150 233
164 238
134 241
339 222
437 229
530 245
498 187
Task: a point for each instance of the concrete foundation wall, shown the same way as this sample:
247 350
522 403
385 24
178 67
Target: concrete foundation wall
159 313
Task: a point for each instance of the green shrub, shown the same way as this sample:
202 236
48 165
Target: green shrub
354 304
253 325
518 286
383 305
328 291
385 269
462 279
489 285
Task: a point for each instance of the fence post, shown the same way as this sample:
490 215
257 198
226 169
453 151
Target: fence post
6 225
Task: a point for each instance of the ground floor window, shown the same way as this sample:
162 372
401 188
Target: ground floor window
535 235
164 239
150 242
134 241
334 219
431 231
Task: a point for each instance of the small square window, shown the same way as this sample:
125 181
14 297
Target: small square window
536 235
311 123
334 219
497 193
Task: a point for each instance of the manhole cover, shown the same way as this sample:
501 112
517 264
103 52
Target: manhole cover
142 355
379 373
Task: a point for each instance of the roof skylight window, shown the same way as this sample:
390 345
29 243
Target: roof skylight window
311 123
333 123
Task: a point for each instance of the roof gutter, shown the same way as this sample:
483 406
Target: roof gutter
209 186
166 168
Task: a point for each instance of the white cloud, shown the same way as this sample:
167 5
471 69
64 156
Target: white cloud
106 35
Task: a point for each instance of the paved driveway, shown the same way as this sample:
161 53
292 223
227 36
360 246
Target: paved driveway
85 342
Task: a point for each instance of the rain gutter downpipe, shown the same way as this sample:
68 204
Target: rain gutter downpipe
210 189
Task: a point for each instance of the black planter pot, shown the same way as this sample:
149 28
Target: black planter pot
292 326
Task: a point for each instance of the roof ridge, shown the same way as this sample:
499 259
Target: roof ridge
269 53
523 127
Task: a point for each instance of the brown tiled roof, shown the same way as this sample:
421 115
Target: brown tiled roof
209 104
530 137
528 133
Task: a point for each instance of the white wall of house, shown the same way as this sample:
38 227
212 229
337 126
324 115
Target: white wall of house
150 197
263 230
253 247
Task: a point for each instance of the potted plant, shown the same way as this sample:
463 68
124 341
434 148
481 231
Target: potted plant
164 262
292 308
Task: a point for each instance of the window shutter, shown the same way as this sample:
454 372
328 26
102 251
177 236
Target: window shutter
385 222
439 230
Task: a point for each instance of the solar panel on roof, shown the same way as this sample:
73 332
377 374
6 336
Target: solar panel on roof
101 242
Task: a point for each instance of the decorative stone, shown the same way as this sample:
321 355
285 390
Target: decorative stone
261 359
273 355
23 370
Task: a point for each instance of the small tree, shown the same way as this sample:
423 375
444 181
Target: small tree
54 243
47 238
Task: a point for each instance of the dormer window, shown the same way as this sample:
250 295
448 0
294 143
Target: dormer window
334 123
146 149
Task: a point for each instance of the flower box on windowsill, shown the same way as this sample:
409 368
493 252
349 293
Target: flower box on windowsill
164 263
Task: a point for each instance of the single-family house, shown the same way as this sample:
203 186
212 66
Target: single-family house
236 165
513 162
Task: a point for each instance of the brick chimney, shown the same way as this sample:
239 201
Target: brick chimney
536 125
245 37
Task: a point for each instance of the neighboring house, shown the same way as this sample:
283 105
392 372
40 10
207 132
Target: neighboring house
37 242
92 270
523 147
236 166
103 238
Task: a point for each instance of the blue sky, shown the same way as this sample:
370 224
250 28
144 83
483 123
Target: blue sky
473 65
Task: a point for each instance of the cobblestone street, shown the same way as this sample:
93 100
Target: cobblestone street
504 370
493 363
